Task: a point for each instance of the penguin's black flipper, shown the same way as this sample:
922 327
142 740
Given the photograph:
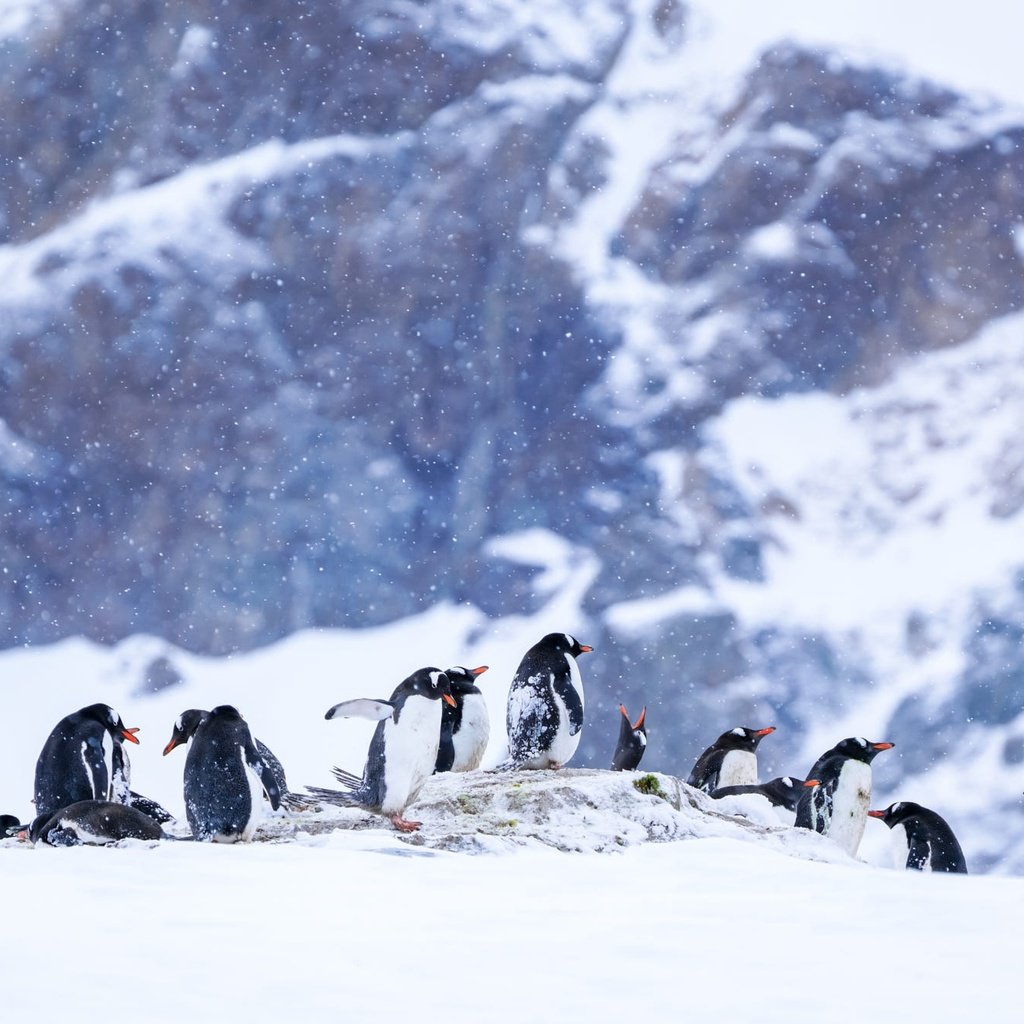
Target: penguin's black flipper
266 775
150 807
573 705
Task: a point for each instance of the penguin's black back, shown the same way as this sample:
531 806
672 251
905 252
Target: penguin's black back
218 800
931 842
631 744
102 820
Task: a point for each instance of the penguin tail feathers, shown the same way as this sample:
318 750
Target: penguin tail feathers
347 779
335 796
296 801
506 766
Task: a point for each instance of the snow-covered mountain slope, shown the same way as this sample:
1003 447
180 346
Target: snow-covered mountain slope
564 316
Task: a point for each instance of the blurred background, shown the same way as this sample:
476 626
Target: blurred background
693 328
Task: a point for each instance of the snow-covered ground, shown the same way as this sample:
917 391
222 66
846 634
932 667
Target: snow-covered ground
319 924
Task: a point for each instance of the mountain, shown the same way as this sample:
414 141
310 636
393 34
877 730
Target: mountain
331 316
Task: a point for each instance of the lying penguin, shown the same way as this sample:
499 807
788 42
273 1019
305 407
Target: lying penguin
93 823
403 750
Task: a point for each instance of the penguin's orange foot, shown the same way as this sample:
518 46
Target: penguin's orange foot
403 824
555 765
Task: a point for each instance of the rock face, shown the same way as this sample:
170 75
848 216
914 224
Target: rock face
323 317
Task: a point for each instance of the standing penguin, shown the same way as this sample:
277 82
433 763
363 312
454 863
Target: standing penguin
223 777
185 727
466 727
544 714
82 759
632 741
730 761
94 823
838 807
403 749
922 839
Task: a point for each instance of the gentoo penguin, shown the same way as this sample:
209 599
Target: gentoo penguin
223 777
632 741
93 822
82 759
922 839
9 826
838 807
466 727
403 750
729 761
185 727
782 792
544 714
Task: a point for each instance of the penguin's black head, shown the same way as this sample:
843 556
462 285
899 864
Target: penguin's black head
565 643
227 711
111 721
742 738
185 728
431 683
897 813
860 749
9 825
463 680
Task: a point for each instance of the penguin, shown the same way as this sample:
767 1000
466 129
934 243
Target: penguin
544 713
403 750
184 729
82 759
782 792
632 742
223 775
466 727
729 761
838 807
922 839
95 823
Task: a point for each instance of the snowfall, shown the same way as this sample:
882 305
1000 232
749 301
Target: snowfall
563 896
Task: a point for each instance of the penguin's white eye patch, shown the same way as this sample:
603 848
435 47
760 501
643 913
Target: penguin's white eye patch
737 731
435 679
177 723
863 742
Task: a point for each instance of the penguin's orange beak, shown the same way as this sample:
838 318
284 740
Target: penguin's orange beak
129 734
811 783
883 746
479 670
764 732
171 744
449 700
876 814
585 648
639 723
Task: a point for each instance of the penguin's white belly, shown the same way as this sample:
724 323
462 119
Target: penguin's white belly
900 846
410 751
739 768
470 741
850 805
255 798
565 742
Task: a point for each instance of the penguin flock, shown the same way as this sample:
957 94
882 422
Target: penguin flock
435 721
